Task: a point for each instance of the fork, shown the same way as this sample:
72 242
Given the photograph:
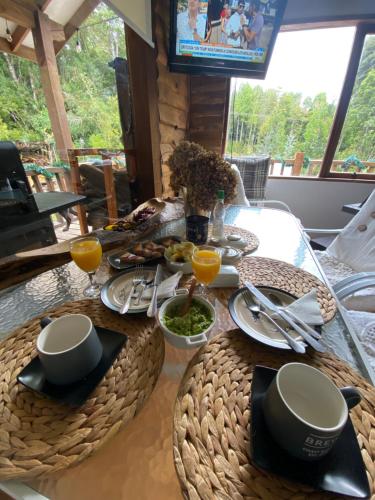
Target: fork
256 310
143 285
137 280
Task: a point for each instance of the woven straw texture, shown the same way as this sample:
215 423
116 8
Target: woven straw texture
251 239
38 436
212 421
271 272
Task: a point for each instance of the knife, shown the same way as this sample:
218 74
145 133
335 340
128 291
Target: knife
153 307
318 346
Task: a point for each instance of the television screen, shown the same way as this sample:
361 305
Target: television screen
233 38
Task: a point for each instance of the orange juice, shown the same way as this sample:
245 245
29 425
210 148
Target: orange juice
206 265
87 254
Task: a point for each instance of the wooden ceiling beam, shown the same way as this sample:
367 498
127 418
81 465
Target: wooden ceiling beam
22 51
17 12
20 33
76 20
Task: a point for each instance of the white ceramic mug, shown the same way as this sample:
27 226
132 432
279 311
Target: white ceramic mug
305 412
69 348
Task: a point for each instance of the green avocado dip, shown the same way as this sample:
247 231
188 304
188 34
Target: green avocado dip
195 321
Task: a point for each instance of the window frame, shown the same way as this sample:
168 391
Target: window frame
363 27
362 30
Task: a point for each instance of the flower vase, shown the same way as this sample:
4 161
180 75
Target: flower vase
196 221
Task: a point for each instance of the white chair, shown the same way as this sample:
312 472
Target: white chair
352 252
349 264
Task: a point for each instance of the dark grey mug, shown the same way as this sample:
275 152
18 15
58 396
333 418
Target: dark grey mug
305 412
69 348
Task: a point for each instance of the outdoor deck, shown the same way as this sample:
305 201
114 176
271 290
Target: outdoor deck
73 231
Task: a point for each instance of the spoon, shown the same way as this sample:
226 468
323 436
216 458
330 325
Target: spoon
186 305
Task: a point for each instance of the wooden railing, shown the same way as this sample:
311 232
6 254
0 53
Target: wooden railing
313 168
61 176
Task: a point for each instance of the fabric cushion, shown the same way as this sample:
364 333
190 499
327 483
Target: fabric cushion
335 271
254 174
240 197
363 323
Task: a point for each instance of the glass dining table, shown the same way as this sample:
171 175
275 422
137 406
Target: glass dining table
138 461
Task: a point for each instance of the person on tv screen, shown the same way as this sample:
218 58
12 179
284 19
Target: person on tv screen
254 29
191 24
235 24
224 18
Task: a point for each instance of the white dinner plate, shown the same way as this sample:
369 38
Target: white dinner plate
115 291
260 328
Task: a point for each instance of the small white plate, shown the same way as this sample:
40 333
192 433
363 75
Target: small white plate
115 290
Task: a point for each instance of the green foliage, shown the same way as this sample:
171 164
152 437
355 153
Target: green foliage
37 168
352 161
88 85
280 123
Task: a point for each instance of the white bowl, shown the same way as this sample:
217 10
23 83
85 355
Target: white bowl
181 341
184 267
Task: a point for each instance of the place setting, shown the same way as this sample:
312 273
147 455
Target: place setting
77 366
267 420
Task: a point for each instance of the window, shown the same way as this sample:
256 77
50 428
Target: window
355 150
296 114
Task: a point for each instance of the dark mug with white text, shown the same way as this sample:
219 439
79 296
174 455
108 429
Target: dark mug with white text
305 412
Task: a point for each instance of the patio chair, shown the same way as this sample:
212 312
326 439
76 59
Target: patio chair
353 249
254 174
107 188
349 264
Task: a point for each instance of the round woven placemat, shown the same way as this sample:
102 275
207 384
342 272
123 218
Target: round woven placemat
291 279
38 436
251 239
211 437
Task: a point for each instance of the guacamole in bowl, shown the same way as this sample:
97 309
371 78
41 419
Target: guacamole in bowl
190 330
195 321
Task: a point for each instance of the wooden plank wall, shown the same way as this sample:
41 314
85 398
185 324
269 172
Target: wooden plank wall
142 76
173 94
209 98
170 107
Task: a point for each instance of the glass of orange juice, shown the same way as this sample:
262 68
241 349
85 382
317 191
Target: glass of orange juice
206 263
87 254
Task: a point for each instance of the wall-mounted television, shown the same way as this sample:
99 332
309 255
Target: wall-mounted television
215 37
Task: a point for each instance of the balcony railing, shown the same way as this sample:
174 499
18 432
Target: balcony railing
297 166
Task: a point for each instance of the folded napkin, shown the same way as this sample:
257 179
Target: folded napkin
307 309
228 276
166 288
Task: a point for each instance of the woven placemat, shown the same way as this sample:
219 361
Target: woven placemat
291 279
212 421
251 239
38 436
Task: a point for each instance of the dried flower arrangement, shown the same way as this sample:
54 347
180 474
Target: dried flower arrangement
200 174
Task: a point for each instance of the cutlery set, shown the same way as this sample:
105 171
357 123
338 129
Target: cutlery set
263 304
140 282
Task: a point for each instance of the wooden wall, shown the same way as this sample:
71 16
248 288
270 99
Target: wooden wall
170 107
173 94
209 99
142 77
